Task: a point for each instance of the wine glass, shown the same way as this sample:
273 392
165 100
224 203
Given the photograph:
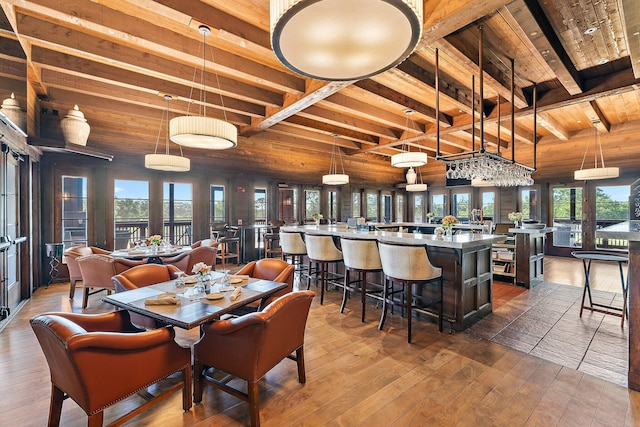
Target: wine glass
225 286
180 285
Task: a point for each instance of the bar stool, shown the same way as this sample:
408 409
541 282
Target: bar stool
360 256
409 265
272 244
228 243
322 251
587 257
293 247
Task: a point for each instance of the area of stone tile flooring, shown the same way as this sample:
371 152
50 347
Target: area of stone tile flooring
545 322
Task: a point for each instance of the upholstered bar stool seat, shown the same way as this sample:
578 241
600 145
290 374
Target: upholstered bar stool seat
294 247
361 257
409 266
322 251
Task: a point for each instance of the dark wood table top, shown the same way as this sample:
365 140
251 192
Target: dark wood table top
191 313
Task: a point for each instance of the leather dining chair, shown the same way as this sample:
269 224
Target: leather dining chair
97 271
272 269
70 256
185 261
98 360
249 346
139 277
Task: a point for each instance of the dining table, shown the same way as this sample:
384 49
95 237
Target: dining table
153 256
190 312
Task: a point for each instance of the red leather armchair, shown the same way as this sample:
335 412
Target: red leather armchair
249 346
186 261
273 269
69 257
141 276
98 360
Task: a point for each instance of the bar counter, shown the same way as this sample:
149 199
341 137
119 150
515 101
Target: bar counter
465 260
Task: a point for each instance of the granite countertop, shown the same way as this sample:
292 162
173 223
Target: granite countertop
457 241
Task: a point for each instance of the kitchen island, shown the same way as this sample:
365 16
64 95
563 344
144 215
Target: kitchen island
465 260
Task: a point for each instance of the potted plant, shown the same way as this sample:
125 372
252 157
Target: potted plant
318 217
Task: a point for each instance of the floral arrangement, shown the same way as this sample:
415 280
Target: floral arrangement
439 231
515 216
449 221
156 239
201 268
318 216
430 214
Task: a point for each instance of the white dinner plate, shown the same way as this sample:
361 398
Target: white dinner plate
215 295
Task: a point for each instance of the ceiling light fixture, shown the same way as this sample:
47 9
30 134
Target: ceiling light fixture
412 184
202 131
166 162
344 39
595 172
408 158
333 177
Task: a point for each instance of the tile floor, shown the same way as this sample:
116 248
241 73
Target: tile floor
545 322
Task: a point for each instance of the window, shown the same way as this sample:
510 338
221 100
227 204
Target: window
386 208
567 217
488 205
399 208
529 201
437 205
333 205
612 207
355 205
177 213
372 206
260 205
217 208
418 208
311 204
131 212
74 211
461 205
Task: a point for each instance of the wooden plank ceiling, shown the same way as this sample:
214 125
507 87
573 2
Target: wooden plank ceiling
116 59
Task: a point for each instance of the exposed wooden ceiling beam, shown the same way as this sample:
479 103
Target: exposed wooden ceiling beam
530 17
596 116
631 14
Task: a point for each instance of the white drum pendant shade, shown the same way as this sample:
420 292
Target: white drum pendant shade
416 187
75 128
596 173
344 39
167 162
203 132
335 179
409 159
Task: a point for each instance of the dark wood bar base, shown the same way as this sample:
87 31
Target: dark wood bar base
529 258
634 315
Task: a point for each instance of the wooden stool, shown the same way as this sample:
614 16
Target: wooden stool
586 258
227 244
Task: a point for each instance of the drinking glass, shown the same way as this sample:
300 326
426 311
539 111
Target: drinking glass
224 283
180 286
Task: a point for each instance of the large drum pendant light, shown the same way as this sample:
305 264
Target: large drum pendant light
202 131
344 39
165 161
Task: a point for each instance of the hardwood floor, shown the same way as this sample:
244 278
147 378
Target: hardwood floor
356 375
